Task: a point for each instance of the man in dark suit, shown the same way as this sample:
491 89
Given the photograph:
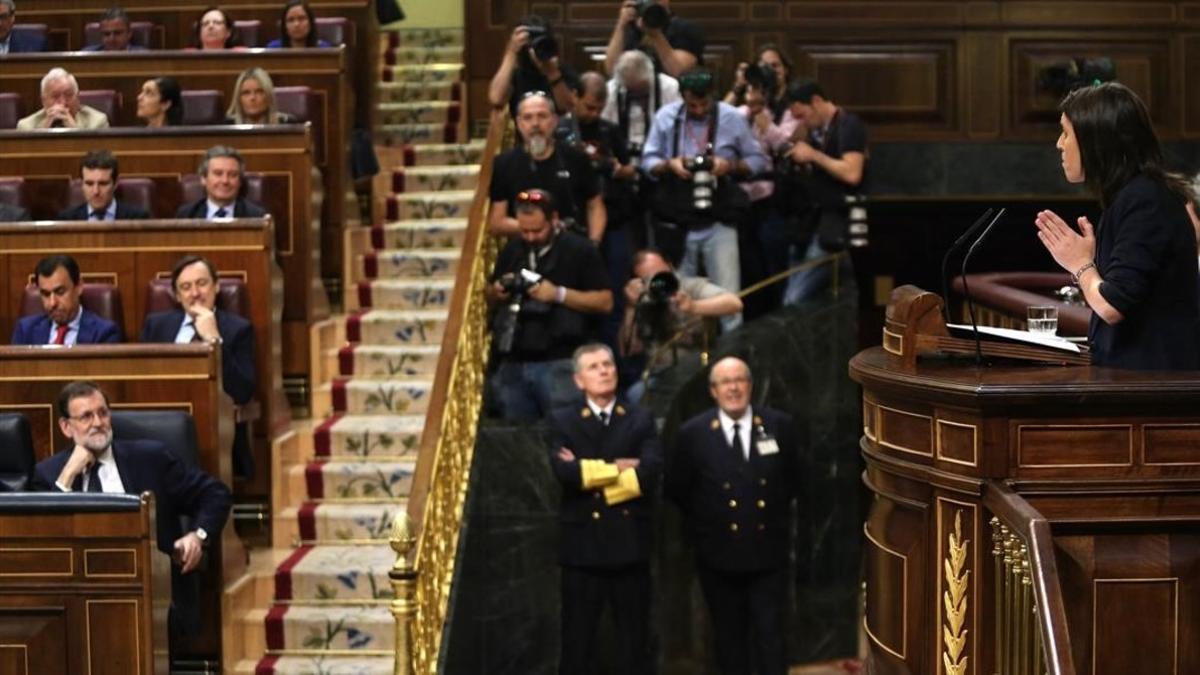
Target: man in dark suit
12 214
97 463
116 33
16 43
99 172
221 172
64 321
194 282
607 457
732 473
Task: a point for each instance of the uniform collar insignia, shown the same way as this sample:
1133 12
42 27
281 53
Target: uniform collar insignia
758 420
715 424
586 412
619 410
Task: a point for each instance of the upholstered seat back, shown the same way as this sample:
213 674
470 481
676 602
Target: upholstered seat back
231 297
203 106
11 110
103 300
13 192
16 453
336 30
106 101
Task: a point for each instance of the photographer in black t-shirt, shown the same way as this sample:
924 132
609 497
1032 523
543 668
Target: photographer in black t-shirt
675 47
531 63
547 289
540 162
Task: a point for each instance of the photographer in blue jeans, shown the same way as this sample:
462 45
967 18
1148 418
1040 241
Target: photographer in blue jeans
548 291
695 149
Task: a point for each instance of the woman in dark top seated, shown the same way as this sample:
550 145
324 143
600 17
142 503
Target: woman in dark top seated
253 100
297 27
160 103
1137 269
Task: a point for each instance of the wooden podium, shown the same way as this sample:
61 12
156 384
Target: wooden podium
1027 518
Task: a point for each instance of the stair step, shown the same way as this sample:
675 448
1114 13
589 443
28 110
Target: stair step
332 523
355 437
447 233
418 112
435 178
338 480
436 154
429 205
422 55
406 293
381 397
404 263
396 327
426 72
410 134
422 37
410 92
335 573
322 665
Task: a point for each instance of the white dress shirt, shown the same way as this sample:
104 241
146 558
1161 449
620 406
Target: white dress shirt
213 207
109 213
607 410
187 330
744 429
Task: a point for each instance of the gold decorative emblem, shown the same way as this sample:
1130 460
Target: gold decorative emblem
954 599
585 413
758 420
716 424
620 410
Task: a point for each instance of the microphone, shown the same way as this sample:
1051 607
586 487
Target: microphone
970 232
967 290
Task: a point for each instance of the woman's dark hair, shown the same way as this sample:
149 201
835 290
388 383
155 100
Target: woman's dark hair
310 40
168 90
1116 140
783 57
234 39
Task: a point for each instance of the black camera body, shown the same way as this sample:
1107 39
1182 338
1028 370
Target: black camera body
654 16
542 42
704 183
653 317
508 315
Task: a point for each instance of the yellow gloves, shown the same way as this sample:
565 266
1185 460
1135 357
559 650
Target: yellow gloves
619 486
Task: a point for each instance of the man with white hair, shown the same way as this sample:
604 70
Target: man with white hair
61 107
635 93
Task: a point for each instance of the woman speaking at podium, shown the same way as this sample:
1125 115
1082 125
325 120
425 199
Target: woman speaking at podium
1137 268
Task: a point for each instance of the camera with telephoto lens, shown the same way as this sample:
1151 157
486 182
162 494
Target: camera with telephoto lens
654 16
507 316
542 42
653 316
704 183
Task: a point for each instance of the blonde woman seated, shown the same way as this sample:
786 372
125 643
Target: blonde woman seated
253 100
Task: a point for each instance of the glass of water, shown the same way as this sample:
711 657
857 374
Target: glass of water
1042 319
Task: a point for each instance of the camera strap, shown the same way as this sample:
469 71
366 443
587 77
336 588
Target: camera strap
713 124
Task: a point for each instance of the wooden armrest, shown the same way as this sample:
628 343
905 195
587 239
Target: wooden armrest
249 411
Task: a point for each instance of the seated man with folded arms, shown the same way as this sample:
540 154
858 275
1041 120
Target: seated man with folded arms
116 34
221 171
64 321
61 106
98 463
99 172
194 282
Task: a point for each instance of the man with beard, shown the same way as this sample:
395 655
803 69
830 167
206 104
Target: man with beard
564 172
64 321
97 463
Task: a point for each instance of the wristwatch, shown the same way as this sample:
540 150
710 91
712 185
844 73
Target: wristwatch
202 535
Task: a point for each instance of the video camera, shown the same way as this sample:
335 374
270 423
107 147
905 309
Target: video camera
542 42
654 16
653 317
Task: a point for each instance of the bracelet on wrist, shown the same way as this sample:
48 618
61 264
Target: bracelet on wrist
1079 272
560 294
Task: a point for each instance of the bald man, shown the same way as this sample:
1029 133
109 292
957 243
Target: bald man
733 474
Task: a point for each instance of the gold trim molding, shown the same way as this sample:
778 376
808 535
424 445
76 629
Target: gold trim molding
955 600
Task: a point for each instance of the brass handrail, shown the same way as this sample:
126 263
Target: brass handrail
421 579
1031 631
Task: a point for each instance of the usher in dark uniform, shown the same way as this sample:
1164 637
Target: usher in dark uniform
737 513
605 549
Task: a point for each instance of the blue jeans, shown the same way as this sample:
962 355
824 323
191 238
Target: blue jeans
527 391
716 248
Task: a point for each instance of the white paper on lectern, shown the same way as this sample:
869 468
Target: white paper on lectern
1023 336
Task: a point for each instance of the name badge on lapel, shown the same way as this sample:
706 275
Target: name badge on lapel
765 444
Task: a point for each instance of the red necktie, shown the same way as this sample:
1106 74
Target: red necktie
60 333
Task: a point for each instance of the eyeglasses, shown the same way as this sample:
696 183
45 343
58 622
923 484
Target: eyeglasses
92 415
536 92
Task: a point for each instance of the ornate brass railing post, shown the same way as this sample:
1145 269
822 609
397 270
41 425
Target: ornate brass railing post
403 577
998 587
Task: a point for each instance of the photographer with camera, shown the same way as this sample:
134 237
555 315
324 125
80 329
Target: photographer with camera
546 289
660 304
696 148
539 162
769 73
833 159
675 45
635 93
531 63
